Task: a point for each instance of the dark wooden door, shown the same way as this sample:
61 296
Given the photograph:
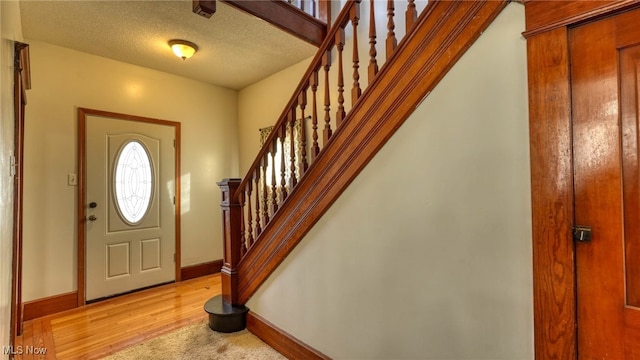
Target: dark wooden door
21 83
605 78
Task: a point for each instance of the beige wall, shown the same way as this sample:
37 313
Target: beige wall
11 30
427 255
64 80
260 105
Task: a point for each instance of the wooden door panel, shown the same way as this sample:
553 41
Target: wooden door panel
632 333
629 100
596 169
629 71
604 69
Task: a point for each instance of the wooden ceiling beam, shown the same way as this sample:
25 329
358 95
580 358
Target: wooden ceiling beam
286 17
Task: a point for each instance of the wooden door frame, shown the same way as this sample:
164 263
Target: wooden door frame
82 140
550 139
22 83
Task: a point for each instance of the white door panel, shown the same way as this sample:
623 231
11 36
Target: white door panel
129 245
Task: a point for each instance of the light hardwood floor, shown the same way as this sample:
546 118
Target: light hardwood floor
103 328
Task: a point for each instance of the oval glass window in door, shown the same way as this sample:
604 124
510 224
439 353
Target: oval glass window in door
133 181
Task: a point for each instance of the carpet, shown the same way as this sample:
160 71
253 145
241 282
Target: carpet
200 342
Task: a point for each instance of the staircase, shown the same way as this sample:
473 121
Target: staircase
323 139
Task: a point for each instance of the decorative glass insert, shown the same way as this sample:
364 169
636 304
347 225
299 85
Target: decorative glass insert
133 181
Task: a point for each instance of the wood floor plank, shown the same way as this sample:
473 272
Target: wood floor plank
134 319
38 350
91 341
27 341
47 335
18 345
106 327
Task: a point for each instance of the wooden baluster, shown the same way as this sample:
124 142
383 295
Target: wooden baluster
391 35
243 247
256 178
324 12
411 15
326 63
340 114
315 149
373 63
293 180
312 7
231 240
302 99
265 191
274 183
355 18
249 217
282 133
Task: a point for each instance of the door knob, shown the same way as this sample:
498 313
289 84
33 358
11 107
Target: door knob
93 218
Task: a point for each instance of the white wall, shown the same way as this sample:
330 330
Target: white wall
260 105
11 30
64 80
427 255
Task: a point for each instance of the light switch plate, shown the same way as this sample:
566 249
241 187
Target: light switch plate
72 179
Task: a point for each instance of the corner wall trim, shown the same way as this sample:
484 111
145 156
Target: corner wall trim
194 271
280 340
50 305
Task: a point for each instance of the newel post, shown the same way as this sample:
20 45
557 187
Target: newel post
231 239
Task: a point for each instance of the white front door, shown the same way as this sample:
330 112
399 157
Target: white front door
130 211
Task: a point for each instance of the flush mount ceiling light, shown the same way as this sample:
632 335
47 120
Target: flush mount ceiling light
182 48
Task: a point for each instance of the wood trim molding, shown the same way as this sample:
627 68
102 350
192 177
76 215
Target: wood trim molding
552 195
178 200
280 340
22 82
194 271
546 15
50 305
80 196
286 17
444 31
81 201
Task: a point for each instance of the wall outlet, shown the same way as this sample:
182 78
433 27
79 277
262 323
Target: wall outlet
72 179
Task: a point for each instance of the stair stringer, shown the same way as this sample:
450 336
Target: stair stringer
443 32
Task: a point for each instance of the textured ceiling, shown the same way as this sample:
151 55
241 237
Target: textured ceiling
235 49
